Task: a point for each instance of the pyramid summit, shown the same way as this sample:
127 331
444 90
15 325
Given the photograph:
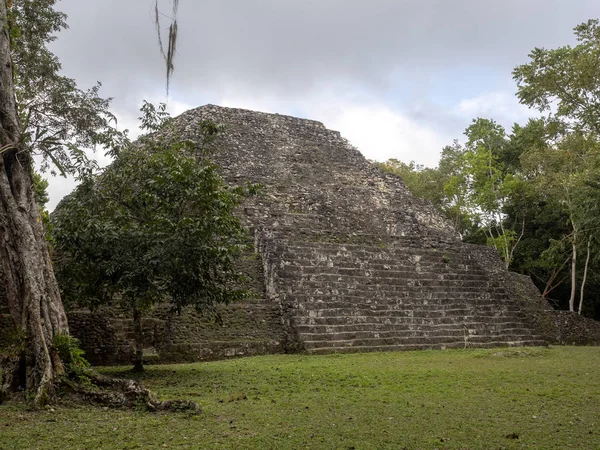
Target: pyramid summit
307 169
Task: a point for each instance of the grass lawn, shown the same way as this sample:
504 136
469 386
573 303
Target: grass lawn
453 399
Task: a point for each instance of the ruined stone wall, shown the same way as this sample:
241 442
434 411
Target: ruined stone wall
244 330
240 329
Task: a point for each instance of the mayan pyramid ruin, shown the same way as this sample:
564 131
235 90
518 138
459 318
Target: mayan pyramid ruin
347 260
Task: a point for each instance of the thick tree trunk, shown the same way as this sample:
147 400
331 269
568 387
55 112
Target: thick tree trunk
138 361
585 271
26 271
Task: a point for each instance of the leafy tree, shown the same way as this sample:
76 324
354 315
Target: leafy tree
480 182
564 82
44 113
58 119
432 184
40 186
423 182
157 226
562 173
590 222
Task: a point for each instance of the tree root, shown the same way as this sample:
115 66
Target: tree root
119 393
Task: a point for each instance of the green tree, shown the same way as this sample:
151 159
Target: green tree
563 173
564 83
43 113
432 184
157 226
58 119
423 182
480 184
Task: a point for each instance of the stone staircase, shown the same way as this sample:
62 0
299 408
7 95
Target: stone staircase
395 293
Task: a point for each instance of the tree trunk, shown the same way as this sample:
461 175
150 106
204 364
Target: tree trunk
138 361
555 272
26 271
585 270
573 275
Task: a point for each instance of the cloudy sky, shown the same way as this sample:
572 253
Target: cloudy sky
398 78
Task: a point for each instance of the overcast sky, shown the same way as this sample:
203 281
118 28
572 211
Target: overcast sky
398 78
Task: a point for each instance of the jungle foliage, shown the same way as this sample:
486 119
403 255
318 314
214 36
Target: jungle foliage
533 193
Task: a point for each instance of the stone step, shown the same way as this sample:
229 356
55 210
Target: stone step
461 319
316 280
400 323
414 334
381 271
405 254
408 295
412 252
420 340
366 290
437 345
401 317
408 245
323 238
314 263
397 297
396 300
316 273
381 256
408 248
426 311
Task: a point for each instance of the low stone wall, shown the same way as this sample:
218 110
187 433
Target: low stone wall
246 329
573 329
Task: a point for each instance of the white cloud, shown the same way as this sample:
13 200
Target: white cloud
503 107
381 133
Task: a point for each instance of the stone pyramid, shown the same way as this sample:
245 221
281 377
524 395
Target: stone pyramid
347 260
350 258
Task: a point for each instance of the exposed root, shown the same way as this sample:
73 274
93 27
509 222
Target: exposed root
119 393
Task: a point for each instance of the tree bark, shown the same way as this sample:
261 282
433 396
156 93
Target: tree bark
26 271
555 272
585 271
573 274
138 361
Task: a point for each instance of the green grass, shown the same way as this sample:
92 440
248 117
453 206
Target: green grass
455 399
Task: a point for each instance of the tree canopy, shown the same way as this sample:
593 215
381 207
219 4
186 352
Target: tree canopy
59 120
